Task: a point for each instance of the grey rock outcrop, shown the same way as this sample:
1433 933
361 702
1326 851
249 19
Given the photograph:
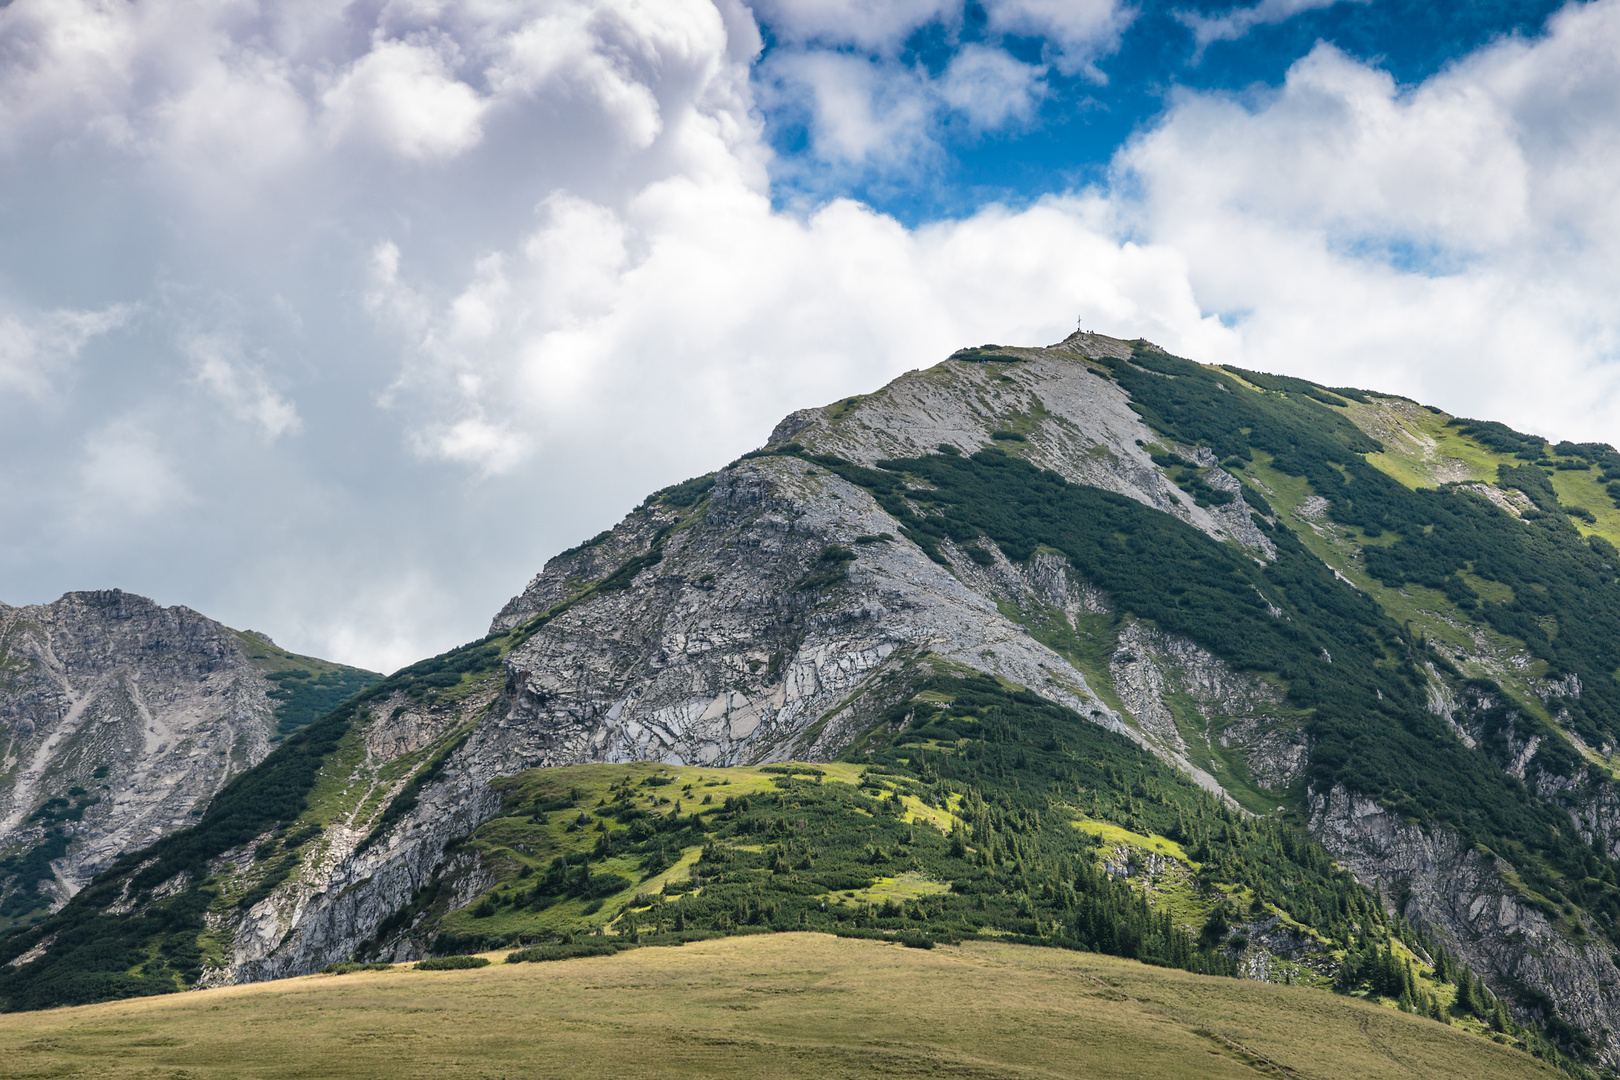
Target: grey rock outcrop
1464 895
1226 710
119 719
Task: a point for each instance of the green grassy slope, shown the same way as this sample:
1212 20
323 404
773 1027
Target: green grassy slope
1543 588
307 687
780 1005
990 814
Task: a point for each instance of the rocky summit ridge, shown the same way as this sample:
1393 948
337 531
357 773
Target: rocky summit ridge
1264 584
721 663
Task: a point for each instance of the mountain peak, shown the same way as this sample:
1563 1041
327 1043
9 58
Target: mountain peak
1234 626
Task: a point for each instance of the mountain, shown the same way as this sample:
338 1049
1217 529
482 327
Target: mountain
1089 646
120 719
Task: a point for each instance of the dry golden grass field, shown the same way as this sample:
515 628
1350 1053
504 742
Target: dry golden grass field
780 1005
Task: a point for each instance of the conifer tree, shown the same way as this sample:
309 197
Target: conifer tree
1465 1002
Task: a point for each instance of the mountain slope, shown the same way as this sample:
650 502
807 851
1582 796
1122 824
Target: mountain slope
1343 613
121 719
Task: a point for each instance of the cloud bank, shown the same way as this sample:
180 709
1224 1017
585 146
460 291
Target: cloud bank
337 322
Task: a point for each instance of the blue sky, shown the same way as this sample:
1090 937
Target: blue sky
337 321
1076 129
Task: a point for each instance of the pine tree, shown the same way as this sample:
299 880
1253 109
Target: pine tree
1465 1002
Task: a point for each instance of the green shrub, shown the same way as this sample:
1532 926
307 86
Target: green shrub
1289 385
836 553
831 568
302 697
302 836
1501 438
543 953
592 542
621 578
978 554
984 354
451 963
687 492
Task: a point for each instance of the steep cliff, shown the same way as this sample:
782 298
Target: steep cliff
120 719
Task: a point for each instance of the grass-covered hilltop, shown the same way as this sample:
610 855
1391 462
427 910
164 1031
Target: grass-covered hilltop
1087 647
778 1005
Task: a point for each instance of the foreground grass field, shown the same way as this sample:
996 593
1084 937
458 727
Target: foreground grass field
776 1005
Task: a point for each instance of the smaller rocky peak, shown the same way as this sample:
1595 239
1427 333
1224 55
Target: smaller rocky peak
119 718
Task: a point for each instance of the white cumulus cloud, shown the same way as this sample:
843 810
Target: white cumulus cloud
502 269
1236 22
242 387
991 87
1077 32
404 95
881 28
1456 240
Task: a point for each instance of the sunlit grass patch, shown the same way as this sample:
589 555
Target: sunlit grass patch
900 889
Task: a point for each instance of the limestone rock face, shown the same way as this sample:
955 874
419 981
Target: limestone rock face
343 889
124 714
119 719
1440 882
714 655
717 655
